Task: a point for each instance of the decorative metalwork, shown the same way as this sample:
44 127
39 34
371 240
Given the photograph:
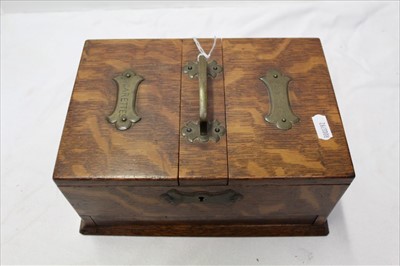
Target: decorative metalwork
176 197
192 131
125 109
280 112
203 130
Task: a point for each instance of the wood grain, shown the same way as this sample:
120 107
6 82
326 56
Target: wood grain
290 180
202 163
258 150
93 149
215 230
267 204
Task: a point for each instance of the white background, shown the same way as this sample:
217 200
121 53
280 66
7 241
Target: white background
41 45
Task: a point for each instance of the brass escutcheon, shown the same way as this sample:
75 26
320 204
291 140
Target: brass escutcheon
176 197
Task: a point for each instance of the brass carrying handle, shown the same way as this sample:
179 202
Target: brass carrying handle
202 130
202 69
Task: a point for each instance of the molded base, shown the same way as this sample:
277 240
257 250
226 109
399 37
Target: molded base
224 230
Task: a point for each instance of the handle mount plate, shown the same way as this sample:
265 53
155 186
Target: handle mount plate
192 131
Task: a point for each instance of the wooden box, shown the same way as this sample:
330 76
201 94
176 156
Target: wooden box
261 178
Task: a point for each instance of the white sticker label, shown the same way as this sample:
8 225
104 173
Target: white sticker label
322 127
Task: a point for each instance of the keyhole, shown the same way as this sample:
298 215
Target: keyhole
201 199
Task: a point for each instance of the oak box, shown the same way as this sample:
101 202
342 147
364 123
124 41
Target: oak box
159 140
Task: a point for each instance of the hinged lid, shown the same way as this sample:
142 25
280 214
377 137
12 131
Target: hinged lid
94 150
260 151
131 101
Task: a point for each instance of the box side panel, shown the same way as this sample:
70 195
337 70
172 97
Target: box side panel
91 147
258 149
267 204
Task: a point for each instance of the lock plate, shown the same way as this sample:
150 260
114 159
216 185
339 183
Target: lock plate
176 197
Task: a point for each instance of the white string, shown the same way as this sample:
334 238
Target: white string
201 50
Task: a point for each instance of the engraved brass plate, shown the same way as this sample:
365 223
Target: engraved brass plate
125 110
280 112
176 197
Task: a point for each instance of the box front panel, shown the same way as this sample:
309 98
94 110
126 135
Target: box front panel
276 204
